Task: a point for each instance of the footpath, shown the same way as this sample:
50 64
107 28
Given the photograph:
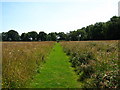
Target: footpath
56 72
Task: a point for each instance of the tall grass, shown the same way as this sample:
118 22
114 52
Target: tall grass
21 60
95 62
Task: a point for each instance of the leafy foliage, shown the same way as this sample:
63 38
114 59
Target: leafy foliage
11 35
42 36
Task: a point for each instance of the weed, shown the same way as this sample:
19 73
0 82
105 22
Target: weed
21 60
96 62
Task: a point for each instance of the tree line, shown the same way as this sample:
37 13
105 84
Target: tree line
109 30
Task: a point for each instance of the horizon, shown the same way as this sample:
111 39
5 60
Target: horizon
55 16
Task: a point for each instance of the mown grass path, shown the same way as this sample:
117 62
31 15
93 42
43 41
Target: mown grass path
56 72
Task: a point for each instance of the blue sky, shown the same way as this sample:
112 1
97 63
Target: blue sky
55 15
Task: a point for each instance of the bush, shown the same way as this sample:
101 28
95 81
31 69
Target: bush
95 62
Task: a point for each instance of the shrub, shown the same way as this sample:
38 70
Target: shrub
95 62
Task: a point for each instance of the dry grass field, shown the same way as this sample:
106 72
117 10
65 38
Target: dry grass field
20 61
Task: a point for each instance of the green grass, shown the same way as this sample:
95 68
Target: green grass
56 72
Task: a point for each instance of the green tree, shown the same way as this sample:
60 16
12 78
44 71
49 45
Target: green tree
52 36
61 35
4 36
113 28
42 36
13 35
25 37
33 35
74 36
81 34
97 31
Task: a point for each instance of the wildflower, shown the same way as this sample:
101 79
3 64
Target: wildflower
10 52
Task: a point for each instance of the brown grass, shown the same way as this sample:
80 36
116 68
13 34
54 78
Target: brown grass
21 60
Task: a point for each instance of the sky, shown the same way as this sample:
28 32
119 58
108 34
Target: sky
54 15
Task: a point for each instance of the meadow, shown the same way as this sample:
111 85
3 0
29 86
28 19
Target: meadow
20 61
95 62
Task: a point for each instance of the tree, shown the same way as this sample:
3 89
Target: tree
0 36
73 36
113 28
97 31
52 36
61 35
4 36
33 35
12 35
42 36
22 37
81 34
25 37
